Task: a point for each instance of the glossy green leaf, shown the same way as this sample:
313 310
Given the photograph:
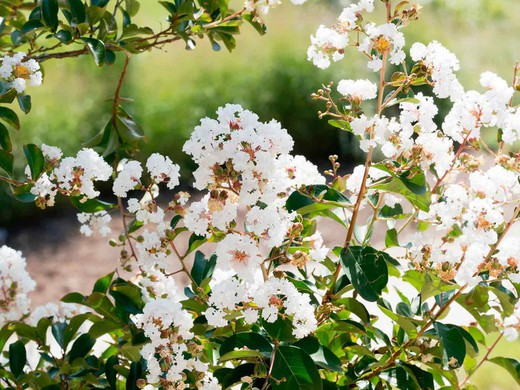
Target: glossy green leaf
97 49
24 102
64 36
78 11
391 238
241 355
227 377
453 345
202 268
90 205
102 284
281 329
17 358
414 189
50 13
253 341
81 347
511 365
35 160
321 355
366 268
9 116
5 139
295 370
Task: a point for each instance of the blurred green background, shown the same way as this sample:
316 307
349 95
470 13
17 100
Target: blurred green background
270 75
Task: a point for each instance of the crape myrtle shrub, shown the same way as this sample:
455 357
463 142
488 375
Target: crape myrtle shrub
238 288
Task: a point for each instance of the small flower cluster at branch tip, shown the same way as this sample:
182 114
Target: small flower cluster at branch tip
92 222
376 42
71 176
172 349
17 72
15 284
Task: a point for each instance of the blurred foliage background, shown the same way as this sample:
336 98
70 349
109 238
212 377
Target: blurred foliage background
270 75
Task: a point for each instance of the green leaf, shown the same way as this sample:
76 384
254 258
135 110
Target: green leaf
102 284
64 36
194 242
253 341
261 28
414 189
391 238
227 377
366 268
453 345
390 212
110 370
129 131
90 205
511 365
31 25
6 162
81 347
400 378
340 124
17 358
24 101
77 9
241 355
97 49
35 159
202 268
50 13
281 329
5 139
295 369
355 307
136 373
320 354
10 117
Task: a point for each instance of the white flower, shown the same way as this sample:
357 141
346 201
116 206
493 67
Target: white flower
240 254
17 72
162 169
358 89
128 178
442 65
15 284
325 44
78 174
52 153
97 221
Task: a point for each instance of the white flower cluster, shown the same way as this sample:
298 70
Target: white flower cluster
72 176
92 222
267 300
441 64
60 312
15 284
160 168
467 218
357 89
376 40
245 164
17 72
168 327
331 42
